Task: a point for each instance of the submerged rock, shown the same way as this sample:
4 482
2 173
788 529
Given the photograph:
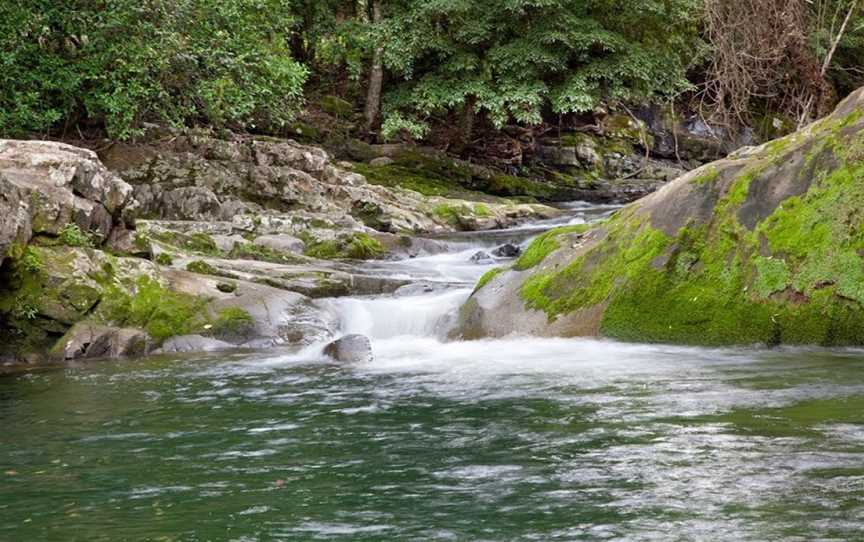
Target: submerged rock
481 257
507 250
350 349
762 247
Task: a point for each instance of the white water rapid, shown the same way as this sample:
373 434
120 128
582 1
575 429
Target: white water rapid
445 280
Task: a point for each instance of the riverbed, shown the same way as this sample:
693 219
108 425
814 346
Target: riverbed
516 439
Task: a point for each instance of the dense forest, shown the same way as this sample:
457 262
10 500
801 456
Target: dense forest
440 70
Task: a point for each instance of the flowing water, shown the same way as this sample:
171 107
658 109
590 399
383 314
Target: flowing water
517 439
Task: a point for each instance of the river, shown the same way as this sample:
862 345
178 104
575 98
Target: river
517 439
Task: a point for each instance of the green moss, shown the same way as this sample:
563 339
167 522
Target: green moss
233 323
772 276
589 280
202 268
544 245
488 276
162 312
164 258
710 175
354 246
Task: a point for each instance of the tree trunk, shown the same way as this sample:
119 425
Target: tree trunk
466 125
376 77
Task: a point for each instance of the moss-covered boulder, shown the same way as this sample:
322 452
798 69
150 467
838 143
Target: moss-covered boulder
766 246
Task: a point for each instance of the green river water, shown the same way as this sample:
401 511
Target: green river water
523 439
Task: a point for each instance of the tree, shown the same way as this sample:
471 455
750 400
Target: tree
376 74
778 57
115 64
511 60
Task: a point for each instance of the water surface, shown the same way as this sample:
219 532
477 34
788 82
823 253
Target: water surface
517 439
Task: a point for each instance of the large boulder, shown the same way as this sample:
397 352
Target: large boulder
762 247
45 186
88 340
350 349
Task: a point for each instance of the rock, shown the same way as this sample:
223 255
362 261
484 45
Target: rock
45 186
201 178
481 257
226 243
558 155
507 251
763 247
381 161
190 203
588 155
86 340
280 242
350 349
193 343
280 317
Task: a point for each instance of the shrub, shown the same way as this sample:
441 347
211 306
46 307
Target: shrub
71 235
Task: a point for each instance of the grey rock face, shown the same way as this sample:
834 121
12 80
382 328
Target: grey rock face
44 186
350 349
280 242
193 343
93 341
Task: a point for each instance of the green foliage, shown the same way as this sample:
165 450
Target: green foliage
511 59
124 62
71 235
397 124
32 262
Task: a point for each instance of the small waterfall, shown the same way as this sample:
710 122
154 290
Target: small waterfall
429 315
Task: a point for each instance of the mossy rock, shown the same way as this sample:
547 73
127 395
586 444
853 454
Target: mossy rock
765 247
354 246
336 106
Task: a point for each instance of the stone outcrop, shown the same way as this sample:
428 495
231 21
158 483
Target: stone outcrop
47 186
202 178
764 246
